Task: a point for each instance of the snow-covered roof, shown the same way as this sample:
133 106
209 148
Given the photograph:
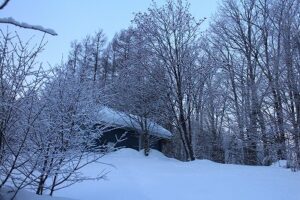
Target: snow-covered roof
116 118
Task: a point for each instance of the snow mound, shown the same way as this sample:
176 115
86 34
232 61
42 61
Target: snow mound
280 163
25 195
156 177
124 153
132 154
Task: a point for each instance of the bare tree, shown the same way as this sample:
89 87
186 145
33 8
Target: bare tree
20 79
135 90
171 35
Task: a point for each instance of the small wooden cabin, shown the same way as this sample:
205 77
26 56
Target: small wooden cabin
125 128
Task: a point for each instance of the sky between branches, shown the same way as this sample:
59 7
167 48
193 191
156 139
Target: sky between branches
74 19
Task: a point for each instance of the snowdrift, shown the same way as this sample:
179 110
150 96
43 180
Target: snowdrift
135 177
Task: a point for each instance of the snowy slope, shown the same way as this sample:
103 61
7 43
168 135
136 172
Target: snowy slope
156 177
25 195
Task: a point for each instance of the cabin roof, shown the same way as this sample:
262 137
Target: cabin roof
117 118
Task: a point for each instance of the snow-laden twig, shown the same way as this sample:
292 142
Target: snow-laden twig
10 20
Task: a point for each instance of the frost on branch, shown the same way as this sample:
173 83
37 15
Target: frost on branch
10 20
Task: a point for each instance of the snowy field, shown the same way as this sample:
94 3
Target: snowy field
135 177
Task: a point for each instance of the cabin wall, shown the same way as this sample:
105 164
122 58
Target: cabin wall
132 139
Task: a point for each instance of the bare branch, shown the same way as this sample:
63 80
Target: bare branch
4 4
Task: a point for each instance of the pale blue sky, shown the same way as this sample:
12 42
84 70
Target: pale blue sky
74 19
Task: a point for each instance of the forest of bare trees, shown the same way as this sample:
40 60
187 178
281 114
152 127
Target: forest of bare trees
230 93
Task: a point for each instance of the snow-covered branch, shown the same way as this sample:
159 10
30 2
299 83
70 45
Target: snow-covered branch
10 20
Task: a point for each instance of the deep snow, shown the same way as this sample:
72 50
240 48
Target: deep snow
25 195
160 178
135 177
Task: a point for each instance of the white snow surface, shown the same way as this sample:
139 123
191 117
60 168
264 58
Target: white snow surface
121 119
136 177
25 195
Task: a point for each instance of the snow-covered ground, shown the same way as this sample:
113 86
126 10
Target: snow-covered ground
25 195
135 177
